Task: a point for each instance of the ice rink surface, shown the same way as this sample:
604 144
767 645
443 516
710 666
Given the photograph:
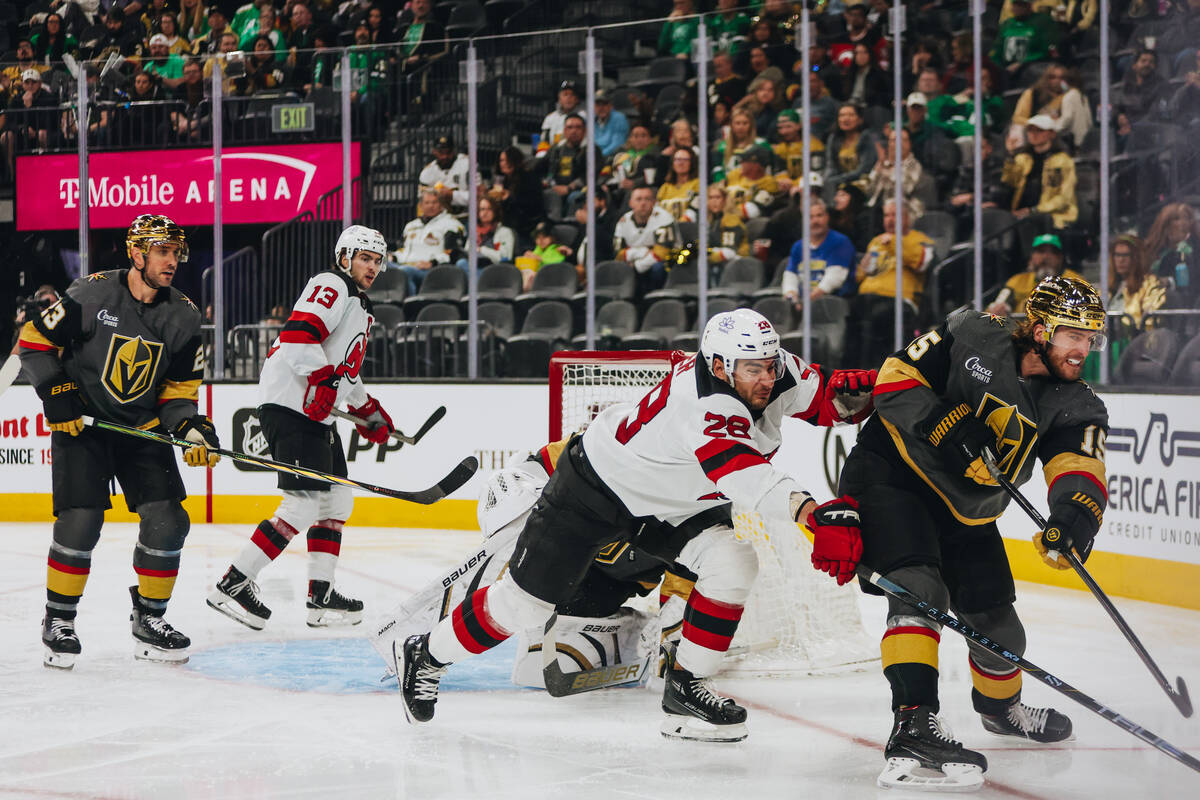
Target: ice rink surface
295 712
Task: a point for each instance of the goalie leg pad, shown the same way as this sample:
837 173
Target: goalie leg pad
585 643
725 569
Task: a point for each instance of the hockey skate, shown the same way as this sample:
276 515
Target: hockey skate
236 596
418 677
921 741
1041 725
155 639
62 645
694 710
329 608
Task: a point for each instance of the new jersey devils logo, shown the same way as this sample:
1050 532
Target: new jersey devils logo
356 352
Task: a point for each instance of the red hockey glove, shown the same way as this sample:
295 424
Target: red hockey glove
849 394
321 393
837 538
379 426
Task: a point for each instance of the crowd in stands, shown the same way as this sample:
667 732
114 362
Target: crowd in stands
1038 98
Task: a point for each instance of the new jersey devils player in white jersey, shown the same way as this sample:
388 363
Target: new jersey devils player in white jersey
312 367
701 438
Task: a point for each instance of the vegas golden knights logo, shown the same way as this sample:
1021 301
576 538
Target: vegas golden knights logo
1015 434
130 367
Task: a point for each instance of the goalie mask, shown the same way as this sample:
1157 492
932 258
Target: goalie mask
1059 301
508 495
739 334
148 230
354 239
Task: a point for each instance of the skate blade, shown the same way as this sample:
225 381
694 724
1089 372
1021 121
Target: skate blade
907 773
691 729
1024 742
146 652
330 618
230 608
58 660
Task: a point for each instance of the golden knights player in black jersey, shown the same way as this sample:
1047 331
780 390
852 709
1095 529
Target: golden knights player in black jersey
124 346
928 504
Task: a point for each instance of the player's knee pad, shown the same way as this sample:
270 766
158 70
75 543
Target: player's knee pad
337 503
163 525
78 528
999 624
515 609
725 566
300 509
925 581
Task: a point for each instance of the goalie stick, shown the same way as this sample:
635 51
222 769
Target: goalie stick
434 418
1180 698
457 477
1059 685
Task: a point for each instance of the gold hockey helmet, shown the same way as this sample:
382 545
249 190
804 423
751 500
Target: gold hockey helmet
147 230
1059 300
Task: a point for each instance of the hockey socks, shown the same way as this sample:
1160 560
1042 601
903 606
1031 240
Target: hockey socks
324 547
269 540
708 629
910 664
470 629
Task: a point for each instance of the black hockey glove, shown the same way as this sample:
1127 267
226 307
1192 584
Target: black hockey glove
963 438
62 404
1069 528
199 430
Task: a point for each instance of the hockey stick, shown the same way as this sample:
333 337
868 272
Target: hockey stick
397 435
560 684
1059 685
9 372
1180 698
457 477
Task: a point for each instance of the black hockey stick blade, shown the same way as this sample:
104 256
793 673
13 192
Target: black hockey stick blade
1180 698
397 435
561 684
452 482
1057 684
434 418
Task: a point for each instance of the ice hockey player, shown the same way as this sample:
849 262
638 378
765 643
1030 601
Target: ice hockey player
123 346
312 367
697 440
979 386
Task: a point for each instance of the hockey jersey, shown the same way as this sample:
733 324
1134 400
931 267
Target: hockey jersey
432 240
329 325
972 359
454 177
644 245
135 363
692 444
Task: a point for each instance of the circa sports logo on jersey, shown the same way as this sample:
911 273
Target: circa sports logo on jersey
978 371
111 320
130 367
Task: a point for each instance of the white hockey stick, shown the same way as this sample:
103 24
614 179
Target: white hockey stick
9 372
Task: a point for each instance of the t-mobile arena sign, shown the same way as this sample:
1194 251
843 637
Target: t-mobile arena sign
262 184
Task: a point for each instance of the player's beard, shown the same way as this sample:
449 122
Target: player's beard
1059 365
158 281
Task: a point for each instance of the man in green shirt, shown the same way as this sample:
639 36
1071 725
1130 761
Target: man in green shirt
1023 38
729 27
679 31
166 65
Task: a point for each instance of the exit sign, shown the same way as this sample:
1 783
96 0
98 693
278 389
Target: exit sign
292 118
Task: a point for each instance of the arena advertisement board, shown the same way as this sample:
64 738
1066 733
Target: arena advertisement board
271 183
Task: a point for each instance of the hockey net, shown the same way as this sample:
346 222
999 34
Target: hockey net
796 620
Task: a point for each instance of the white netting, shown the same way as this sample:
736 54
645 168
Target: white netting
796 620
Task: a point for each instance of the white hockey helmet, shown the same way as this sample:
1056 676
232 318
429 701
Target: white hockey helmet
741 333
508 495
355 238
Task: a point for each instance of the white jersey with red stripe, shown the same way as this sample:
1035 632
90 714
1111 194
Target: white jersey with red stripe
692 444
328 325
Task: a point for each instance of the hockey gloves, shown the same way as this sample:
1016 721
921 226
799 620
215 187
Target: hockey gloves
379 425
1068 528
837 538
848 395
62 404
200 431
963 439
321 393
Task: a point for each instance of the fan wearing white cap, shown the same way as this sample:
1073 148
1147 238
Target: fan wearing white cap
700 439
1040 178
31 130
162 62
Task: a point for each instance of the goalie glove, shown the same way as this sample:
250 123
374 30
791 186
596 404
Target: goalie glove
379 425
321 393
963 439
199 430
837 538
62 404
1068 528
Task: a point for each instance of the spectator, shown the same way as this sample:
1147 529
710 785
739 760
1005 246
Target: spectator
760 66
763 104
380 31
831 260
680 190
1023 38
209 42
1174 245
545 251
1045 261
192 92
264 25
495 242
611 128
679 31
962 194
789 152
556 120
1134 292
874 305
30 117
881 181
121 38
194 20
605 223
325 60
638 162
727 87
753 192
1184 28
727 237
681 136
1139 93
518 191
861 82
847 216
301 41
247 16
850 151
1040 179
822 110
1185 105
100 112
227 45
11 77
448 175
433 238
929 85
926 54
957 112
858 29
728 27
421 37
729 150
169 28
643 238
263 72
1057 94
165 66
565 166
368 76
937 154
53 42
961 71
766 36
154 11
